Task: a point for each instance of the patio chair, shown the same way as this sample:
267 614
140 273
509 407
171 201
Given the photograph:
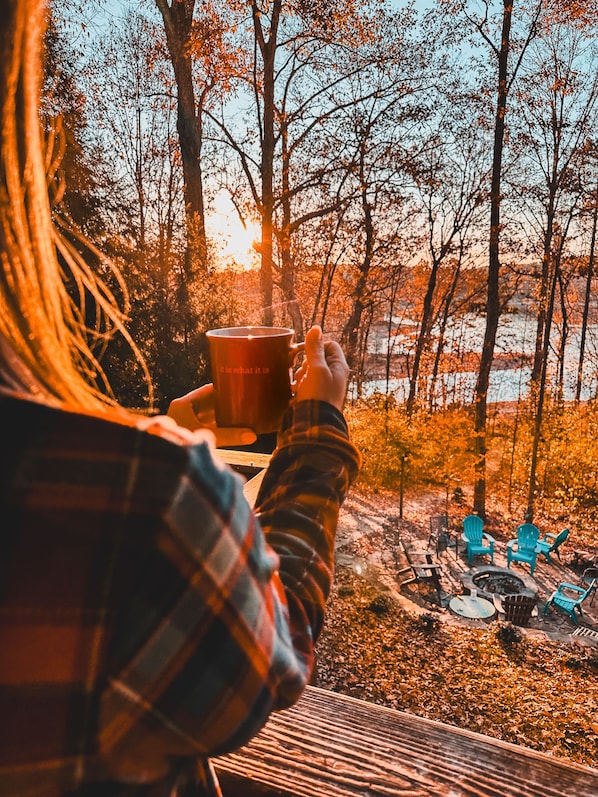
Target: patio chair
551 543
439 533
422 569
516 609
590 577
569 598
479 543
523 548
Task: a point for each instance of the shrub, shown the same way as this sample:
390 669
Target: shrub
425 448
508 634
381 604
428 622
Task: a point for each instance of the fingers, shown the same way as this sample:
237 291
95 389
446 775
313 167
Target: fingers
324 374
329 353
195 411
335 359
315 347
181 411
229 437
202 402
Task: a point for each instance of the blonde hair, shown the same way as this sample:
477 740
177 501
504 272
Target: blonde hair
44 324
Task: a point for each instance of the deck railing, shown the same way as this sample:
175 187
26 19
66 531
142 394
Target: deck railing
331 745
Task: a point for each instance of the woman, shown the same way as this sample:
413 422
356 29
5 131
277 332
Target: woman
149 618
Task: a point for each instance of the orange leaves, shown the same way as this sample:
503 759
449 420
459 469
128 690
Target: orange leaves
582 13
214 46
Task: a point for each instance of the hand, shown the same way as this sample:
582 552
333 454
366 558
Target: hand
324 375
196 411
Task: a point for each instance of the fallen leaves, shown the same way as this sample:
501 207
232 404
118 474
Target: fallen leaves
543 695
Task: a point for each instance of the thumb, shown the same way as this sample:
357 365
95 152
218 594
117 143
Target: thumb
314 347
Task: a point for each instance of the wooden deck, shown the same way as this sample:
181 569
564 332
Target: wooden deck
331 745
251 465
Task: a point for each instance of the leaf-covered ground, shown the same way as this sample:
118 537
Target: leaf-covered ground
540 694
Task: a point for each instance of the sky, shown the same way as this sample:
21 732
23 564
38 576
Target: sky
233 241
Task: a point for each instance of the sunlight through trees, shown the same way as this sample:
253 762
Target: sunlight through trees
422 179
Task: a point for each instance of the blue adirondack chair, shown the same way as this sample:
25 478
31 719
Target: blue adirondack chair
478 541
551 543
569 598
523 548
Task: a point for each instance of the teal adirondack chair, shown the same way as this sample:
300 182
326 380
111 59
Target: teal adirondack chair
523 548
569 598
478 541
551 543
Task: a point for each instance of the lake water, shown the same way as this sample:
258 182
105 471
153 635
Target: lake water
516 335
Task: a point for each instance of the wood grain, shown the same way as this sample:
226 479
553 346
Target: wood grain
243 459
331 745
252 465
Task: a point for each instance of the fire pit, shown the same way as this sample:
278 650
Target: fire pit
491 580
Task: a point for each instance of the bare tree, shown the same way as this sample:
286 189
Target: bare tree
313 65
496 33
558 105
450 177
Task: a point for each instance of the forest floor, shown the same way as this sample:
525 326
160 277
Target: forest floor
403 647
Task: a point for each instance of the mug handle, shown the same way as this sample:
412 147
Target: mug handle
294 350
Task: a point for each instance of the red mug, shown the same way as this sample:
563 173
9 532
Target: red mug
252 375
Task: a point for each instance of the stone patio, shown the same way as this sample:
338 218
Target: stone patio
371 539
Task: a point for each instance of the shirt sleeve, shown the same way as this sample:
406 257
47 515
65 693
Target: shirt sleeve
298 505
237 599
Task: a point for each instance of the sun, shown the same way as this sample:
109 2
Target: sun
233 243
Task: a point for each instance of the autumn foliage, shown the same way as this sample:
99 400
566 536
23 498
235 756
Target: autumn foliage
437 450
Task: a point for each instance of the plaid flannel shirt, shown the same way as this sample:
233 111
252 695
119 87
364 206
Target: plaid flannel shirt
149 618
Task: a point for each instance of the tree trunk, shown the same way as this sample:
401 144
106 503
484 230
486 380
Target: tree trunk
529 515
287 266
267 49
586 303
350 337
564 334
394 292
544 290
446 306
492 302
178 20
423 337
563 284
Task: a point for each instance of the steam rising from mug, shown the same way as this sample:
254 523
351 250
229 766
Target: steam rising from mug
251 372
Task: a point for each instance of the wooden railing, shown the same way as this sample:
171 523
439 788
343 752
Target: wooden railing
331 745
251 465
